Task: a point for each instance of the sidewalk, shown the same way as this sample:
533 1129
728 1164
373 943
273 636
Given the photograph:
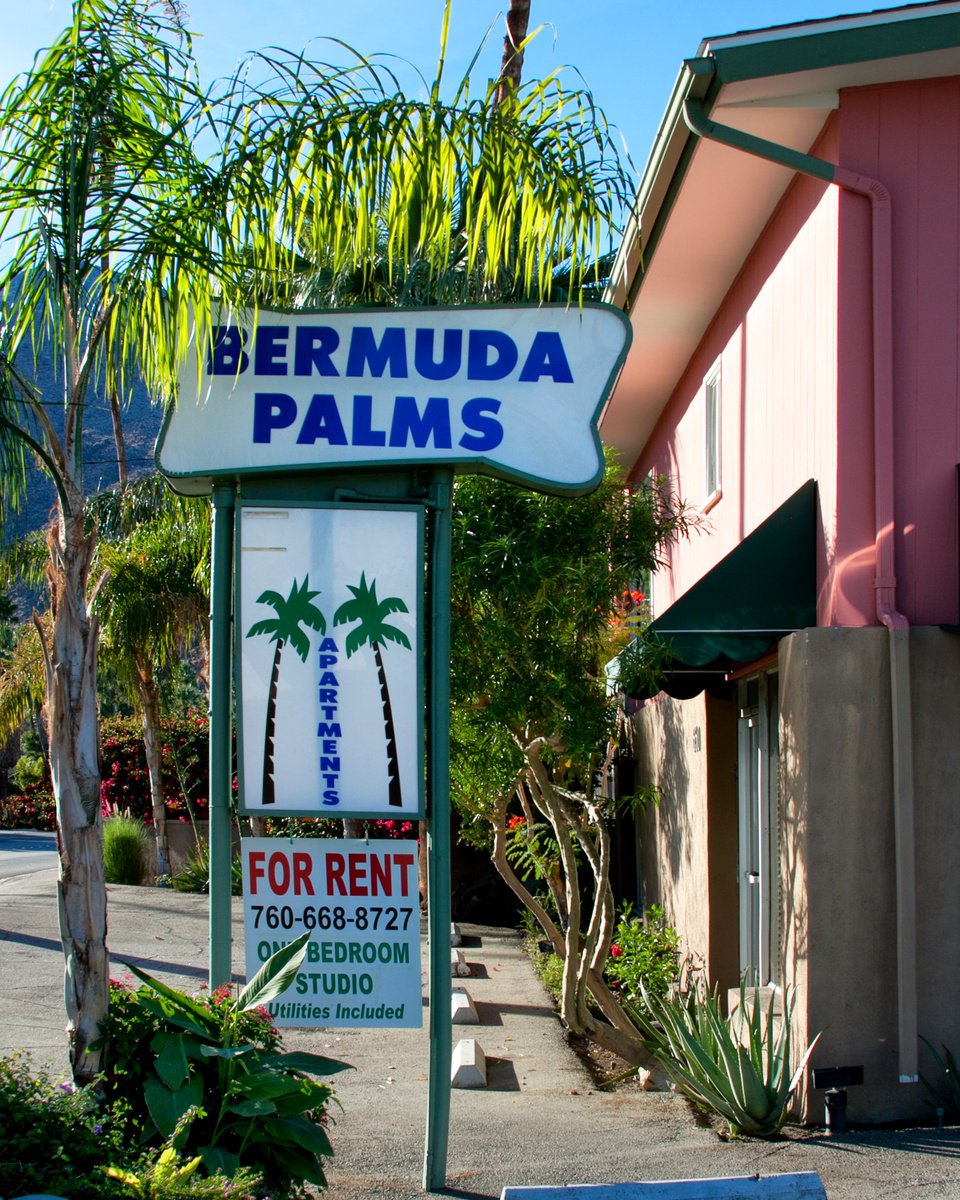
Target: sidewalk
539 1121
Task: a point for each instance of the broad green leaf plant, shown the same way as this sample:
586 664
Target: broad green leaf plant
221 1095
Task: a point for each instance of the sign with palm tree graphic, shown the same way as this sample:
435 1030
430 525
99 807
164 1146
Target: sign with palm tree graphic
329 633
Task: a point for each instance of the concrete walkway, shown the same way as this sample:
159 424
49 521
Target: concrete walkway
539 1121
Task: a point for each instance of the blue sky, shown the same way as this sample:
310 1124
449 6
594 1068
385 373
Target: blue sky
628 51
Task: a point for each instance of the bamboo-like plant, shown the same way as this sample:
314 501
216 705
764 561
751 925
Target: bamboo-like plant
739 1066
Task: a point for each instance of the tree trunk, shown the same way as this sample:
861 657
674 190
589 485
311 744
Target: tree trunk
150 718
71 675
353 828
518 18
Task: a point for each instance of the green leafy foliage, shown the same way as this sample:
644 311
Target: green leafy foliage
125 847
208 1073
54 1137
739 1067
194 875
644 951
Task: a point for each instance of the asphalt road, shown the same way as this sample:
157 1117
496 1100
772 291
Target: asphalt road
24 851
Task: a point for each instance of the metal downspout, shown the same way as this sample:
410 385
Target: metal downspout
885 582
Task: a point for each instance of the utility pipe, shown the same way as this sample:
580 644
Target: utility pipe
885 583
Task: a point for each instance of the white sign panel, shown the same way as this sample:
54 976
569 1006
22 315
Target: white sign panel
514 391
359 900
329 645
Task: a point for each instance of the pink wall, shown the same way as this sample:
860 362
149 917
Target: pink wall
793 338
775 338
908 137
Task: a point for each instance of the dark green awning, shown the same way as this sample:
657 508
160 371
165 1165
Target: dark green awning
762 590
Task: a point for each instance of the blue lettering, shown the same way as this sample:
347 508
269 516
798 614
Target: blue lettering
409 423
227 356
313 347
330 797
488 433
329 729
390 355
363 432
322 422
272 410
425 364
328 646
546 357
479 364
328 679
269 350
330 764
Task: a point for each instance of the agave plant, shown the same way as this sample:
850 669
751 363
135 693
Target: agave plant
946 1092
738 1067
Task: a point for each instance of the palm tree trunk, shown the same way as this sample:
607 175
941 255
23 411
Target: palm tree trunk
518 18
394 795
71 677
268 795
150 718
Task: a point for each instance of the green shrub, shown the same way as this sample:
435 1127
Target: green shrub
53 1139
643 951
207 1075
194 875
738 1067
126 845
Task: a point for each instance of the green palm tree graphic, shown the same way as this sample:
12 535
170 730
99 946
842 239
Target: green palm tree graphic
372 628
292 613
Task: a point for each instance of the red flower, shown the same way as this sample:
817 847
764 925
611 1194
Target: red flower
615 951
515 822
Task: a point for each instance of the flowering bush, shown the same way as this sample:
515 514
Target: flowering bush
125 781
33 808
54 1139
646 952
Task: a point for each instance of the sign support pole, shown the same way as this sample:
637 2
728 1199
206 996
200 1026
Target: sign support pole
221 636
438 838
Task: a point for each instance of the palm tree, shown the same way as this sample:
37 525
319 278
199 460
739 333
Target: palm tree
372 629
293 612
153 605
123 237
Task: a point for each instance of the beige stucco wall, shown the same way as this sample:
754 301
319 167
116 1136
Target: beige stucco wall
837 847
687 750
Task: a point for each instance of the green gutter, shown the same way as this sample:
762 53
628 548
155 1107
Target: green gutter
764 58
697 121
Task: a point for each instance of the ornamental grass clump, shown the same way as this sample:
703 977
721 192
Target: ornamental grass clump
126 845
738 1067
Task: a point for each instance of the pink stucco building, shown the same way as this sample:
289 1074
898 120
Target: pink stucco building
793 281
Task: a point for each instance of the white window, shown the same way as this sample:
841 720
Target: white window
711 389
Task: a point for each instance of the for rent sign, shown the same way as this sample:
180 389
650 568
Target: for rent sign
360 902
514 391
